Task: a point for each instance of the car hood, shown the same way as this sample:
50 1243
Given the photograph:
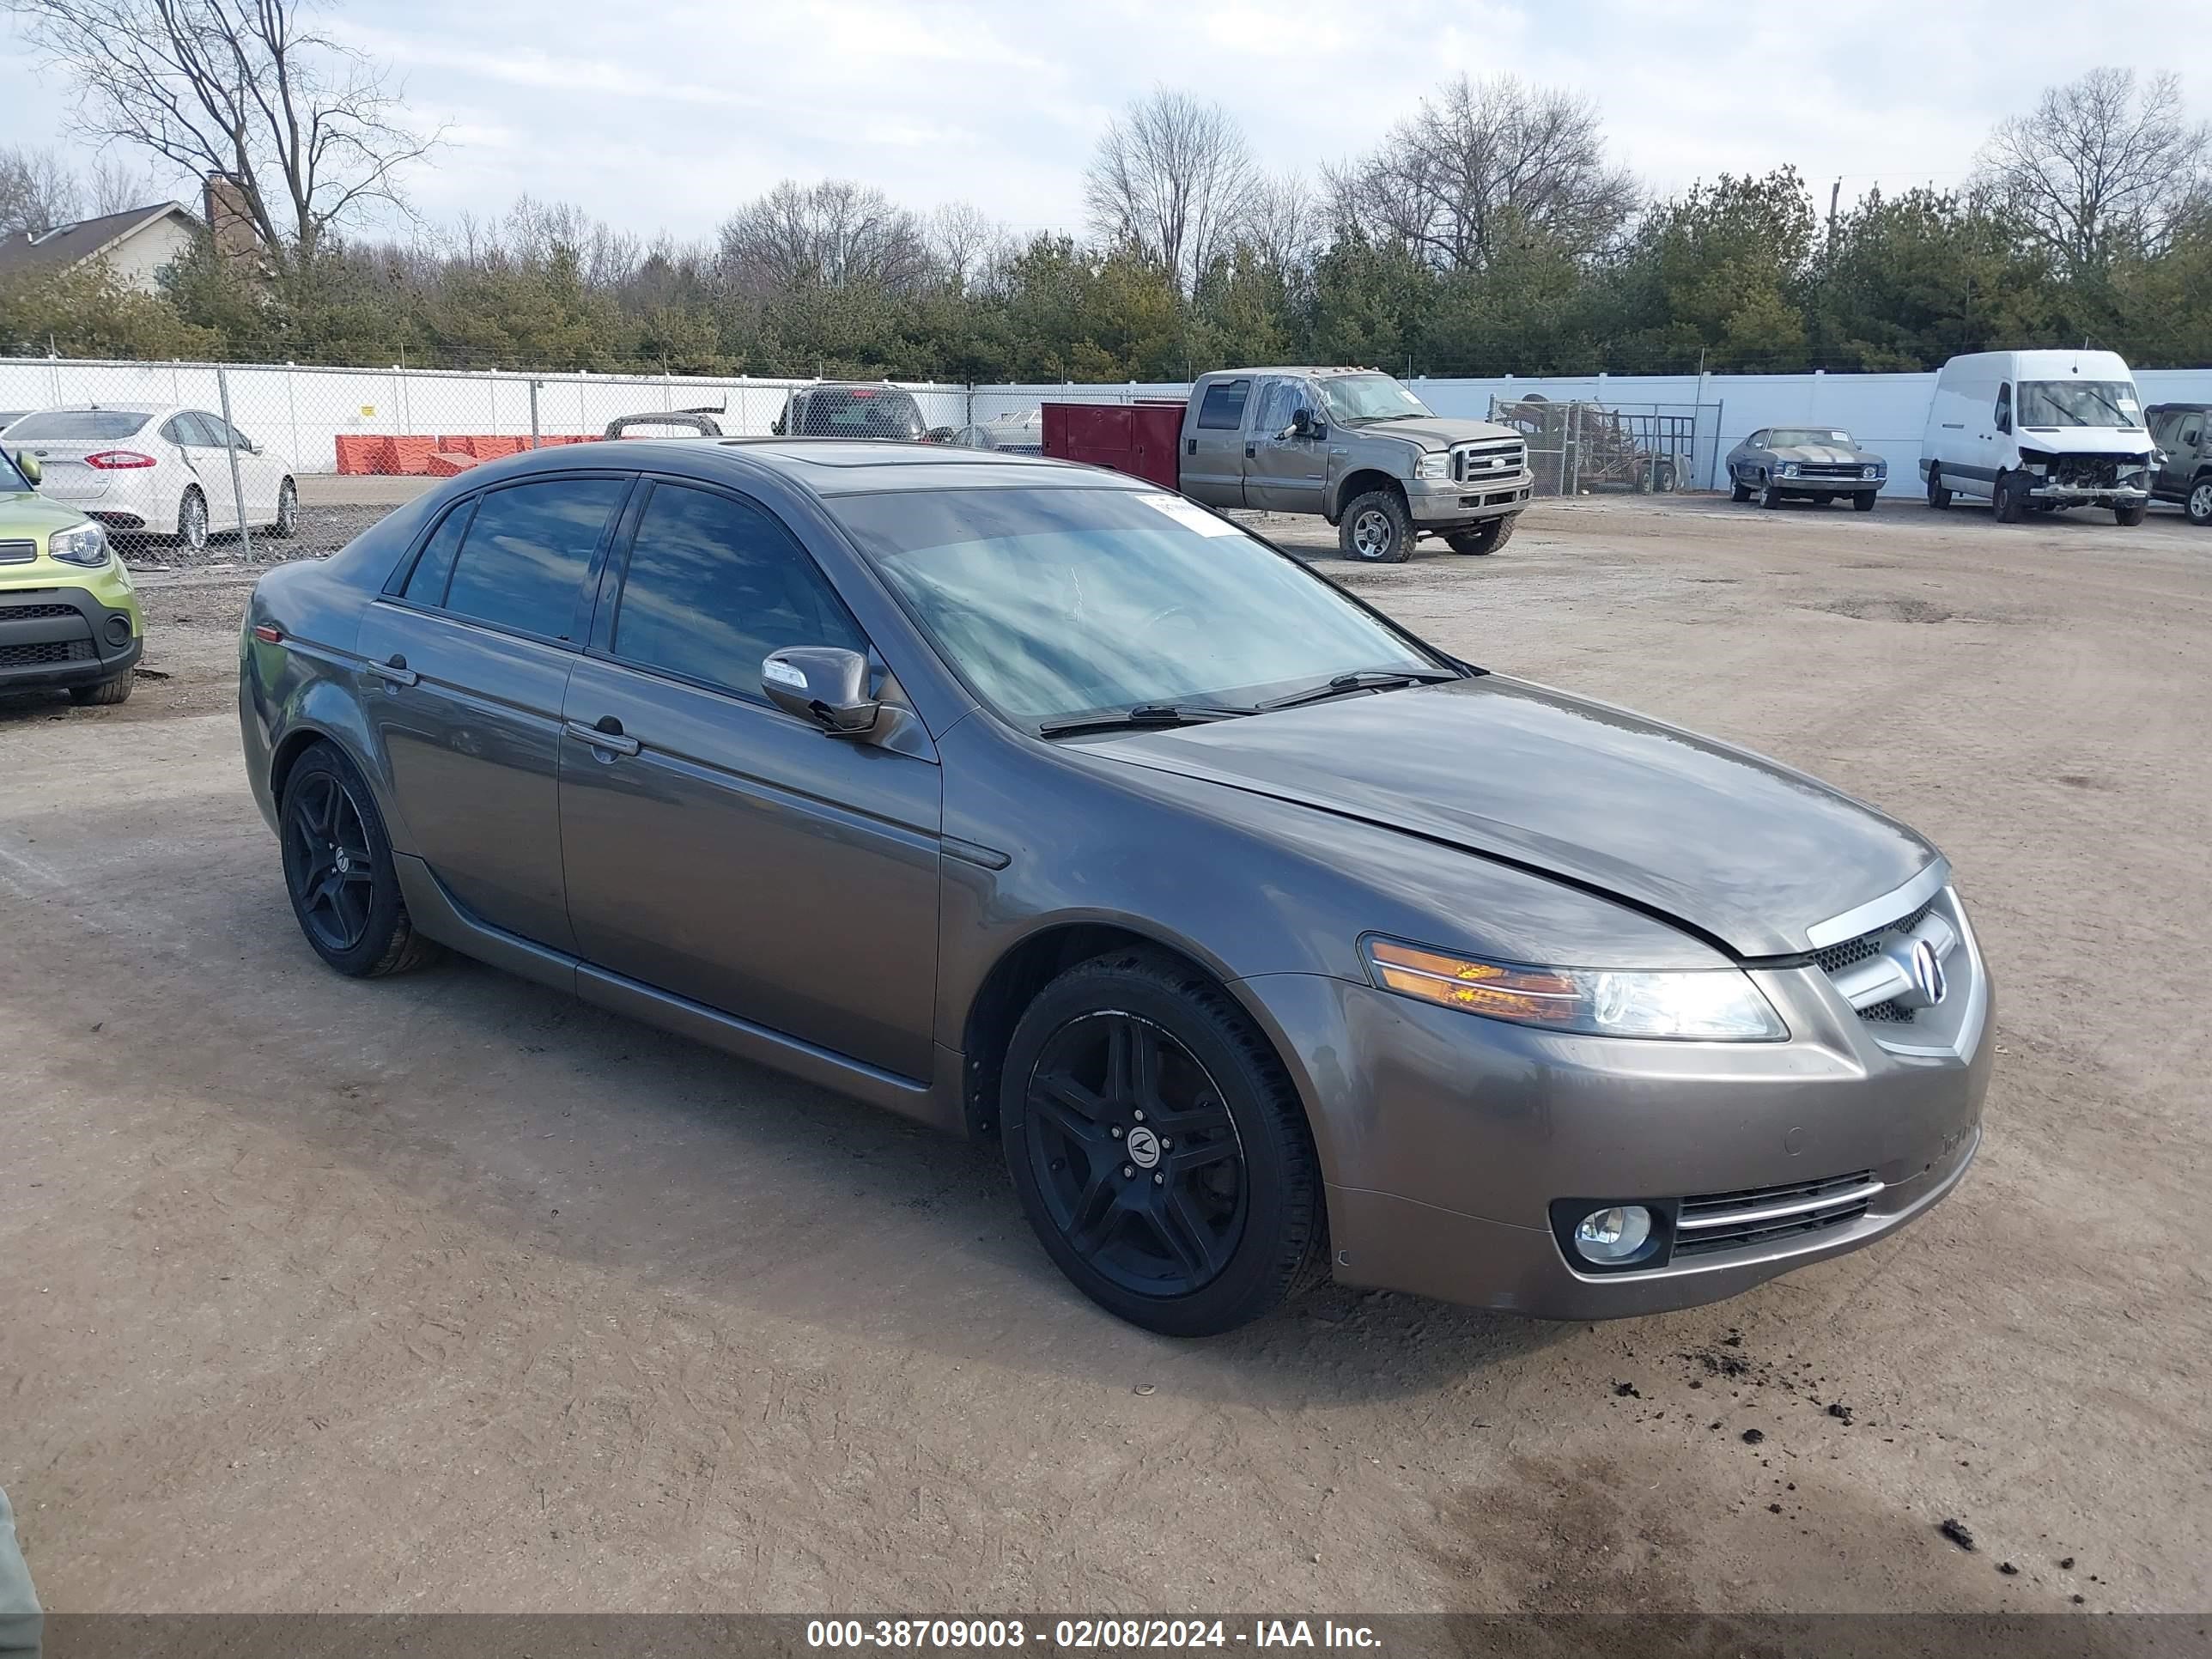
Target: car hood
23 513
1431 431
1822 454
2085 440
1733 846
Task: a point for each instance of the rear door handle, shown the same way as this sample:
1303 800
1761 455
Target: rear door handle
1250 452
1190 447
395 669
607 735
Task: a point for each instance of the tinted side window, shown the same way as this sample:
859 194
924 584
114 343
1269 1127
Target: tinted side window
714 585
528 550
1223 408
426 583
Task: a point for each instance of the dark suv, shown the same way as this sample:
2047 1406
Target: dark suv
2186 476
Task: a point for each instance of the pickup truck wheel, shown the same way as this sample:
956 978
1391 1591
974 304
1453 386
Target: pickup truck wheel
2132 514
1485 537
1377 529
2009 497
1738 489
2198 506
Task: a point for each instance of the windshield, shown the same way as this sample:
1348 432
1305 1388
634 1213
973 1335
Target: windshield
99 424
2068 402
1057 603
1353 399
11 475
1788 437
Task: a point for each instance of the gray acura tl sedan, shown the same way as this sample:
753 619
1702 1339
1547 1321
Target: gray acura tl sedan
1032 801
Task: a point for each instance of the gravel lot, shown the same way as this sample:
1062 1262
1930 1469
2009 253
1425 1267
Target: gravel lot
445 1293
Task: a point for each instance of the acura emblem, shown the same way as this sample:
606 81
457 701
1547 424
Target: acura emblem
1144 1147
1928 974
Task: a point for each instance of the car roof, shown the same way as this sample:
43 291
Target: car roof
822 466
105 408
1292 368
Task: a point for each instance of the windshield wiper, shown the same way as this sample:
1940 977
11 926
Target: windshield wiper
1368 679
1141 715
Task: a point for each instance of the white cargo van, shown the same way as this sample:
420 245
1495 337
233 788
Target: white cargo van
2039 430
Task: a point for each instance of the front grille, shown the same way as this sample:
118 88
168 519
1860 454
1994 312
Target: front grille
45 655
18 612
1830 469
1741 1220
1888 1014
1833 959
1837 958
1478 463
14 552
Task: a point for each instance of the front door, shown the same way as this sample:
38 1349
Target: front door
468 661
1213 445
718 847
1285 471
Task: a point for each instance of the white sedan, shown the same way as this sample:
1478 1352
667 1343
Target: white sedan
157 469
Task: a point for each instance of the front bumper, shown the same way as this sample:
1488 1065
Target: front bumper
1446 1138
1831 486
55 638
1440 504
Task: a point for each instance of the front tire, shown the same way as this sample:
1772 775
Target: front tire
1377 529
1485 537
1863 501
2009 497
1770 494
2198 506
106 695
192 521
1159 1149
338 870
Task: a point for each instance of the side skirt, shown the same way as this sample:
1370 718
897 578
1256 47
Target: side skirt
439 914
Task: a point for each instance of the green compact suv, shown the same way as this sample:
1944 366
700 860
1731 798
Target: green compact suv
69 619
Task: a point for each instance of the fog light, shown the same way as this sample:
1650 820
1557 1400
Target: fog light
118 631
1614 1235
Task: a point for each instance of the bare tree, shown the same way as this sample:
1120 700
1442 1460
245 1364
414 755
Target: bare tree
310 130
1282 220
2100 166
1170 179
1482 155
967 243
37 192
832 234
117 187
533 230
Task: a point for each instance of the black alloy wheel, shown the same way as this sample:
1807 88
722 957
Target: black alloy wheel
1135 1155
327 866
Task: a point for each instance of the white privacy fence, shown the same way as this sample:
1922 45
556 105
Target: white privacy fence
322 420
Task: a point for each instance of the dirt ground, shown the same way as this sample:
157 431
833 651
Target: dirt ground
445 1293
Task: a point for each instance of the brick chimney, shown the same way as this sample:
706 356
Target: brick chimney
229 221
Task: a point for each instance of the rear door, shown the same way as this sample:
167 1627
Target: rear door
1286 474
1214 444
208 454
260 473
718 847
469 651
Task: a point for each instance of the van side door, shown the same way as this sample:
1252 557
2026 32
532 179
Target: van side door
1213 442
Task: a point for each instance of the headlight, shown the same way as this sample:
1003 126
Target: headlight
1435 465
85 544
1716 1005
1789 469
1871 472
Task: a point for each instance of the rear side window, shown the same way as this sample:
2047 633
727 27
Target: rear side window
65 424
528 550
1223 408
714 585
426 583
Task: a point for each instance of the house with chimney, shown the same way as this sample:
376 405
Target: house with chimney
137 244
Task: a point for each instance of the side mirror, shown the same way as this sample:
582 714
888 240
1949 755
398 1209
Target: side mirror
826 684
32 470
1302 423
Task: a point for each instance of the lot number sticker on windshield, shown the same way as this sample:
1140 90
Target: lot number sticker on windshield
1189 515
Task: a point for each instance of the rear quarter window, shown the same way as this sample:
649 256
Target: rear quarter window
1223 408
523 560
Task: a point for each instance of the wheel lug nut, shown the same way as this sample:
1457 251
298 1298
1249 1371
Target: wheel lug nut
1117 1132
1166 1145
1140 1116
1127 1172
1159 1180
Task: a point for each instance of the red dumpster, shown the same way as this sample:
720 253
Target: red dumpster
1139 439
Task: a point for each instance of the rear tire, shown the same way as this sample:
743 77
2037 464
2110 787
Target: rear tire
1738 489
1205 1212
1938 497
1863 501
338 871
2009 497
106 695
1377 529
2198 506
288 511
2131 515
1485 537
192 521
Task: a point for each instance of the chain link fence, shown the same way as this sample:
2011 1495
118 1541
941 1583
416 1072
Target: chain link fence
209 463
1580 448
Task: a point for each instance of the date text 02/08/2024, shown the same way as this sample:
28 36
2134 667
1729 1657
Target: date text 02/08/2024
1087 1634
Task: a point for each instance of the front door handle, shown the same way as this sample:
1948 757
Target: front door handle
607 735
395 669
1251 451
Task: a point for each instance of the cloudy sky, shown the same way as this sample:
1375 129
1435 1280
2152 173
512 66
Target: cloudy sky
665 113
